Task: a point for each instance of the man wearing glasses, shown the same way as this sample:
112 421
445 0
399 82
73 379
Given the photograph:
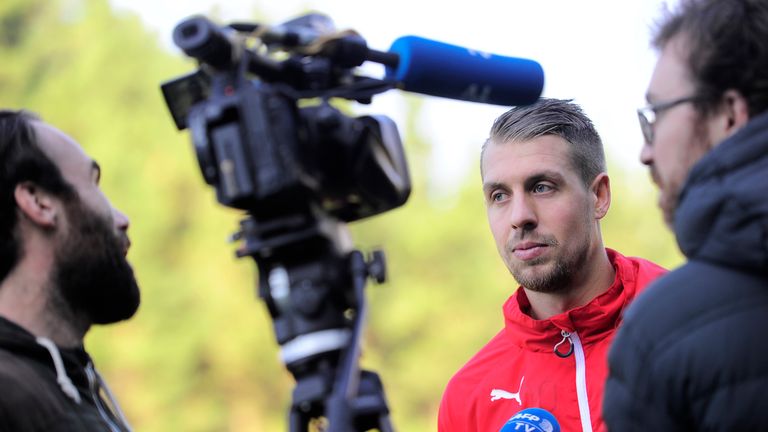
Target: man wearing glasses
691 354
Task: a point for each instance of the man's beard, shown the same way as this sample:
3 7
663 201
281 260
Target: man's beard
559 278
701 144
94 282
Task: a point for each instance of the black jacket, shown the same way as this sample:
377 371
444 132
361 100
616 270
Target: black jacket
692 354
46 388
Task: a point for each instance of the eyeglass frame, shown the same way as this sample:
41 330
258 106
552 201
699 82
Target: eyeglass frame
646 124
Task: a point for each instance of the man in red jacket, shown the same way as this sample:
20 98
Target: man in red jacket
546 189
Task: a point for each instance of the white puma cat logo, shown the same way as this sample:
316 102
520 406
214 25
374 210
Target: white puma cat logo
497 394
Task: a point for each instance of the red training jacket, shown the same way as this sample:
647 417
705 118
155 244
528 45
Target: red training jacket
519 369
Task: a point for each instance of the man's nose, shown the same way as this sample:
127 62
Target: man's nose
523 214
646 154
121 220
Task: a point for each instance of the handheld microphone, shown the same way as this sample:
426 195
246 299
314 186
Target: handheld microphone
532 420
439 69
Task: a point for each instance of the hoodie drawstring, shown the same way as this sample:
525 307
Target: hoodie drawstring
566 336
112 401
62 378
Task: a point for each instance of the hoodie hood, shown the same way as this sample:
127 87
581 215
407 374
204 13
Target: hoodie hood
67 363
722 213
73 372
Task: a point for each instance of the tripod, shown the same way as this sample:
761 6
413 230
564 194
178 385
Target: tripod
315 293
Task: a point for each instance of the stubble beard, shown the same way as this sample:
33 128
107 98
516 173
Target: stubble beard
560 275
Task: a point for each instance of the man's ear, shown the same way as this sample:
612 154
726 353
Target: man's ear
37 205
601 191
734 114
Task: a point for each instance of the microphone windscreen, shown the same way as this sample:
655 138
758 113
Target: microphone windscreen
440 69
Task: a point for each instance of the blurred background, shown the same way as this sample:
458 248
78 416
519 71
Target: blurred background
200 355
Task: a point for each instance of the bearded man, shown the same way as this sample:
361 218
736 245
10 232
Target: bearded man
686 359
63 268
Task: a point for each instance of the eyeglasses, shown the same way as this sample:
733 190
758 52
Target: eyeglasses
647 114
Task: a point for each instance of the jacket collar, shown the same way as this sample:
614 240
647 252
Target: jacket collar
591 321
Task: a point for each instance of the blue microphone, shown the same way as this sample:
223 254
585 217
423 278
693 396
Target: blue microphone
440 69
532 420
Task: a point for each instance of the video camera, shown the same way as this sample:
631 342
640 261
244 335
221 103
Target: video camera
269 141
261 151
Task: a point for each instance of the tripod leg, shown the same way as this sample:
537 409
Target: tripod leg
298 421
384 424
370 408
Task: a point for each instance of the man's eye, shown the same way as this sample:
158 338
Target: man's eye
542 188
498 196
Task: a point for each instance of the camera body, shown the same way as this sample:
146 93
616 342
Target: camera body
264 153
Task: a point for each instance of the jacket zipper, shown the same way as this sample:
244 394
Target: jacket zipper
581 383
97 399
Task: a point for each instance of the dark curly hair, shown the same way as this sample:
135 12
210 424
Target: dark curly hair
727 43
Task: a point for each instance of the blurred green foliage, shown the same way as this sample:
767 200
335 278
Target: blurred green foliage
200 355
